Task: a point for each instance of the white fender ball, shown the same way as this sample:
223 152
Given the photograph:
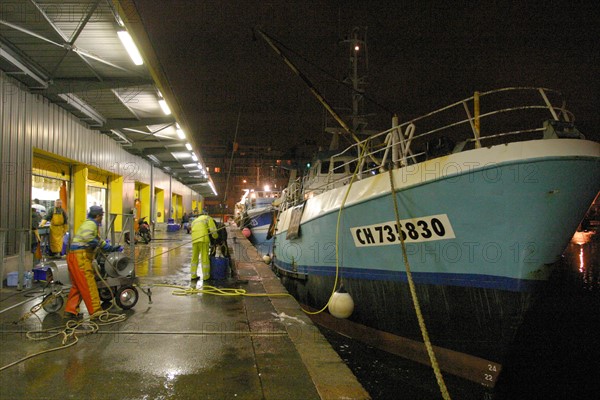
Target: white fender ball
341 304
267 259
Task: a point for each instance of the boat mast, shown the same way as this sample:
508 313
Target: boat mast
356 43
358 76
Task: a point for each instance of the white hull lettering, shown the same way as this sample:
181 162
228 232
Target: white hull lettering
414 230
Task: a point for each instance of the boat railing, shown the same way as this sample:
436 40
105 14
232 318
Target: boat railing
505 118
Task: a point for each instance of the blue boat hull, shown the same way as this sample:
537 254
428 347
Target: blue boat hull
259 226
480 238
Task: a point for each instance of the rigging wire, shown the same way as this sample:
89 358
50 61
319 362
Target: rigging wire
329 75
237 125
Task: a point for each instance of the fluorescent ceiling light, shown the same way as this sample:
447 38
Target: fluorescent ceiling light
212 187
188 146
131 48
120 135
180 133
165 107
79 104
200 166
194 157
153 158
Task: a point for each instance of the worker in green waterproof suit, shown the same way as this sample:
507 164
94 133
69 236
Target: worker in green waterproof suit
202 226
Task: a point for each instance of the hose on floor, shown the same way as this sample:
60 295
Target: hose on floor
207 289
72 329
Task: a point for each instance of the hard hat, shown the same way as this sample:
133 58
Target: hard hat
95 211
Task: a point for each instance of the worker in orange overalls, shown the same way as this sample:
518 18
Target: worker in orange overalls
81 271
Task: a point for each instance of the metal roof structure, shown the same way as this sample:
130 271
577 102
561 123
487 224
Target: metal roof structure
69 51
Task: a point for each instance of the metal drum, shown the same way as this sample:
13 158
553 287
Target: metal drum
60 271
117 265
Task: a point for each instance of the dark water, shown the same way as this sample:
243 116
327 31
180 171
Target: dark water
556 353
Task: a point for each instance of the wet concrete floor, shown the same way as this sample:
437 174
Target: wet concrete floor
197 346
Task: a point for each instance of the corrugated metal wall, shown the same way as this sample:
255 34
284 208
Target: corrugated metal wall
15 167
30 121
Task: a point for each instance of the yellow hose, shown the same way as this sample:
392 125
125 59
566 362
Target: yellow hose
337 231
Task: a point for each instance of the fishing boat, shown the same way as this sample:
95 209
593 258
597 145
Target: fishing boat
256 211
459 213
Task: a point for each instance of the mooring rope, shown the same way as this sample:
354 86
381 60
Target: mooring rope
413 292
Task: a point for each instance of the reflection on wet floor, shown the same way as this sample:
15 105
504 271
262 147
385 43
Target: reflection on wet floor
173 346
161 259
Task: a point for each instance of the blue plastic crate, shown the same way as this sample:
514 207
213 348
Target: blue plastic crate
39 274
219 268
12 279
173 227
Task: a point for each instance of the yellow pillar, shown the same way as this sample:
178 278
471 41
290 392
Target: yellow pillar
145 199
80 173
173 207
160 205
115 188
178 206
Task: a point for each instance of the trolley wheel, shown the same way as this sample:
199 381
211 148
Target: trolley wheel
105 293
127 297
53 304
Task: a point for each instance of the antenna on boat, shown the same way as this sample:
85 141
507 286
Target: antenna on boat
356 81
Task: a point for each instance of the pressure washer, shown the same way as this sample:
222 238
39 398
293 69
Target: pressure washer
115 278
115 275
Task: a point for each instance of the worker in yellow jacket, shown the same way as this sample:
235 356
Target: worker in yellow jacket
202 226
58 227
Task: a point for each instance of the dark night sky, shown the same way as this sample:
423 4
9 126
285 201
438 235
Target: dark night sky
421 56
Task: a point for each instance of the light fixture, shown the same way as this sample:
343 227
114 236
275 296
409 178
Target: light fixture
153 158
200 166
212 187
194 157
164 106
131 48
120 136
180 133
83 107
188 146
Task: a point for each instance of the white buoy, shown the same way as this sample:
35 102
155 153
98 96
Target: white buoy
267 259
341 304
